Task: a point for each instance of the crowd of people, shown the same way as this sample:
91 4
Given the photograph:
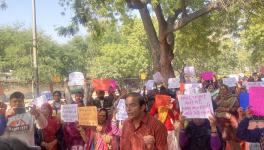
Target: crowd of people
148 127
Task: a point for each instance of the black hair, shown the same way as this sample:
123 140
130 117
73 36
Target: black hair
57 92
139 97
80 92
18 95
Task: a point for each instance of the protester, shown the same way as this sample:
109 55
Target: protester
3 107
227 105
200 134
252 136
20 124
168 115
79 99
50 138
57 102
100 137
101 101
141 125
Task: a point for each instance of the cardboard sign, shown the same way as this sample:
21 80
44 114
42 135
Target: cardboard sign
244 100
121 110
196 106
173 83
157 77
40 101
189 71
230 82
87 116
254 84
162 100
104 84
76 78
69 112
256 97
193 88
208 75
150 85
143 76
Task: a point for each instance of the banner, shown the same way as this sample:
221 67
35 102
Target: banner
256 95
230 82
173 83
261 69
69 113
121 110
196 106
87 116
208 75
254 84
76 78
104 84
162 100
244 100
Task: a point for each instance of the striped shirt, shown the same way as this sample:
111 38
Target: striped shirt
132 138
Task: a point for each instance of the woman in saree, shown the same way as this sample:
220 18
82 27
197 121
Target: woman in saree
226 113
100 137
50 137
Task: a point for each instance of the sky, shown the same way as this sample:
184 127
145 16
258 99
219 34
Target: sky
48 13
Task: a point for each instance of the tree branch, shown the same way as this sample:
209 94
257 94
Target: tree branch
161 20
188 18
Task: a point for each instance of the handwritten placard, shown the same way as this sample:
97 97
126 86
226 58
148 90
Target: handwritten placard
230 82
173 83
76 78
87 116
162 100
254 84
207 75
189 71
150 85
121 110
157 77
196 106
69 112
256 95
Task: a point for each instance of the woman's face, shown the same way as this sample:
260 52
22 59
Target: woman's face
102 117
56 97
223 90
210 88
45 110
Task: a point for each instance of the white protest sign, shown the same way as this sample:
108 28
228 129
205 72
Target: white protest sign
254 84
76 78
173 83
150 85
196 106
69 113
230 82
194 88
121 110
157 77
189 71
40 100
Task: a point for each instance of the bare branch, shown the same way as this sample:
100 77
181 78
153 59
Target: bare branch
161 20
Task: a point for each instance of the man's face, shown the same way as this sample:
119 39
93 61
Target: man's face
133 108
17 102
78 97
